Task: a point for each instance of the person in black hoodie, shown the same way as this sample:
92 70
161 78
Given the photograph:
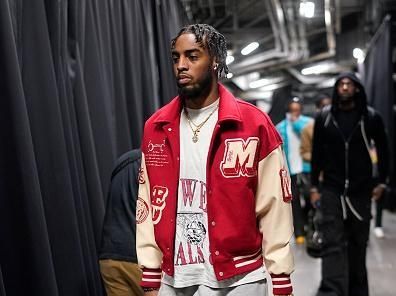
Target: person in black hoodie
117 256
344 135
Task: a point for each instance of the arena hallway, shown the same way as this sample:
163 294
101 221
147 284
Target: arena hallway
381 263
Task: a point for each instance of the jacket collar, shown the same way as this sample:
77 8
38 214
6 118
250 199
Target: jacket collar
228 108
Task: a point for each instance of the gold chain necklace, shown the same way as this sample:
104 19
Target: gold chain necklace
199 126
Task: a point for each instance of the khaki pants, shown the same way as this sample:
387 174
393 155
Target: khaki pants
121 278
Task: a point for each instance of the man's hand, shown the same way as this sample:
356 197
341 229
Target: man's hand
378 191
314 196
151 293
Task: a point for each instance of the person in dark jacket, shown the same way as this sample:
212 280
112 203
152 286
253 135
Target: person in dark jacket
118 261
344 135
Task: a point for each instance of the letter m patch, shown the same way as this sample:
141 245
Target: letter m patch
240 158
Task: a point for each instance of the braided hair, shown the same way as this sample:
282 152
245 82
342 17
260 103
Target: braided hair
208 37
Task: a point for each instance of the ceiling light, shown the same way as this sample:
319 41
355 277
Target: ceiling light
359 55
229 75
307 9
258 83
317 69
229 59
249 48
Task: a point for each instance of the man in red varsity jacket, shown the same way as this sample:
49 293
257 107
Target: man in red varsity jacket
213 213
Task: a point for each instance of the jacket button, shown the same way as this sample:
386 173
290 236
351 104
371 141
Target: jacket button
167 249
178 158
221 273
213 223
217 253
170 129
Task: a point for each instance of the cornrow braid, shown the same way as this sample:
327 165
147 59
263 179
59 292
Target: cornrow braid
208 37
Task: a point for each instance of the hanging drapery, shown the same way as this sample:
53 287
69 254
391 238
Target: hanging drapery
78 78
377 73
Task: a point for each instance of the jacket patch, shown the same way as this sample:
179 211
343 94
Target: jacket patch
142 211
286 187
239 158
156 155
158 203
159 147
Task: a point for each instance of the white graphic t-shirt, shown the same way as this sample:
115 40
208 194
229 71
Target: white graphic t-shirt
192 255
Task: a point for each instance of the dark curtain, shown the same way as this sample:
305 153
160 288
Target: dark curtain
377 74
78 78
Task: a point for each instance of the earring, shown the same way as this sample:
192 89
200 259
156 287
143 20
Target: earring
215 67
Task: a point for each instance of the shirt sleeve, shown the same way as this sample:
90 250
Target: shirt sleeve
306 142
317 150
381 145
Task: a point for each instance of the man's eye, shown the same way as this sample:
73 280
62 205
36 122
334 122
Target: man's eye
175 59
193 57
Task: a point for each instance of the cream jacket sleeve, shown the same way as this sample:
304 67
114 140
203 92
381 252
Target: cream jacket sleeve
274 214
148 253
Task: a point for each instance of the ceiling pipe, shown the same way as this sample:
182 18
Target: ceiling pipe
330 35
247 4
277 21
291 28
235 19
279 58
303 41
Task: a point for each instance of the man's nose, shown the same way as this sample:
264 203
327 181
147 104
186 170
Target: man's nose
182 64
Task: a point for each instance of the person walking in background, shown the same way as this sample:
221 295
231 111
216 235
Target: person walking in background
290 130
214 203
118 261
343 133
307 132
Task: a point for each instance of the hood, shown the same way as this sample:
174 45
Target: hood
360 97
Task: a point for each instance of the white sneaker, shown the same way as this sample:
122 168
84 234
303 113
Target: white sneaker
379 232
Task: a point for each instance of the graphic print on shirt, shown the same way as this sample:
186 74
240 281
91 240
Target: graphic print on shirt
191 228
239 156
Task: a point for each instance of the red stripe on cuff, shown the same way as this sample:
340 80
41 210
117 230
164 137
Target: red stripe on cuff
281 284
151 278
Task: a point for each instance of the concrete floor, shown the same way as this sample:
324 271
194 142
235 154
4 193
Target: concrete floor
381 264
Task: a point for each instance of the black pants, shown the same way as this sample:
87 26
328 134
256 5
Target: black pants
344 270
379 205
298 220
300 213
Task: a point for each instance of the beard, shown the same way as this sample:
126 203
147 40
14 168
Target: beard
346 99
197 89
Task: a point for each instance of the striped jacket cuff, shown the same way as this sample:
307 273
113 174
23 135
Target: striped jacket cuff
281 284
151 278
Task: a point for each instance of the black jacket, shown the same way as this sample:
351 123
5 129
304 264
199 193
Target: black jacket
346 163
119 227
